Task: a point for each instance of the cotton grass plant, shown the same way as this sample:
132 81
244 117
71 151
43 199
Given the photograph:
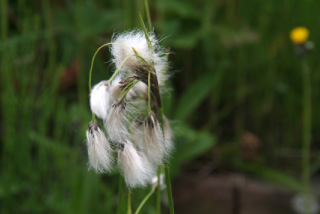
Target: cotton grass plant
137 138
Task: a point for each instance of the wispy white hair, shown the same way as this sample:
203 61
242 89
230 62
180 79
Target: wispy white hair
100 99
123 48
137 130
99 150
153 140
116 123
135 167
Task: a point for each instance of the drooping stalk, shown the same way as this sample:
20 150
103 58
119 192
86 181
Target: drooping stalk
114 74
90 72
144 200
92 62
128 88
120 66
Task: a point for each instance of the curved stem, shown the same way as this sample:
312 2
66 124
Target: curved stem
118 69
91 68
128 88
93 58
92 62
144 200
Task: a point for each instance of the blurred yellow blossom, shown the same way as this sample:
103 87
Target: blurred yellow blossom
299 35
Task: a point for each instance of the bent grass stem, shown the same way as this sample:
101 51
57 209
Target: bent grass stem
145 200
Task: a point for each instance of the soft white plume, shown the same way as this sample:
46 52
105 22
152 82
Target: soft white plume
116 88
137 130
141 89
153 140
136 169
123 48
99 150
116 123
100 99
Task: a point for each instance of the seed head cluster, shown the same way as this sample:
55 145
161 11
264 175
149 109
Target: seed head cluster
137 134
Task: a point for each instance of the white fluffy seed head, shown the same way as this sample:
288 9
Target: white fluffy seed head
153 140
100 99
137 130
115 87
99 150
123 48
116 123
136 169
141 89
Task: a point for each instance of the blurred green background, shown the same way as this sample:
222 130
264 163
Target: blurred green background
236 94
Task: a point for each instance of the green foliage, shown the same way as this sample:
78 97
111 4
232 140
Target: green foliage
196 93
189 145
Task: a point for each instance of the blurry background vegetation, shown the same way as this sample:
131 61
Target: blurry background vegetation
235 99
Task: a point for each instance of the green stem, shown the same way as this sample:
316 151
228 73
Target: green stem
90 72
114 74
92 62
159 110
129 211
166 168
128 88
146 4
144 200
117 71
306 137
169 191
146 33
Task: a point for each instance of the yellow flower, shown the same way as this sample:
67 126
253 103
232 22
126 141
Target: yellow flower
299 35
